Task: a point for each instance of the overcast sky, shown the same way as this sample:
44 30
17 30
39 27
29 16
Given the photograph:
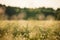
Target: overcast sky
32 3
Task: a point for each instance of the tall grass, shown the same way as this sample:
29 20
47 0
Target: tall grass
29 30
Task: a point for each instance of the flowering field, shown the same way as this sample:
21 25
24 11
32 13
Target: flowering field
29 30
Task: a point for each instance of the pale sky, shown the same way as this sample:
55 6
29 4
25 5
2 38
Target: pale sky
32 3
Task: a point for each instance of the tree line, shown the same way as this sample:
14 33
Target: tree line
41 13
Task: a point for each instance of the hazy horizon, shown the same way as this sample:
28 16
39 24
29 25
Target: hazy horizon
32 3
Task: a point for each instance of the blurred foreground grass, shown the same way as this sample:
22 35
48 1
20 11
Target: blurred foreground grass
29 30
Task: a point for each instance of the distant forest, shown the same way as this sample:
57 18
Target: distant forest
40 13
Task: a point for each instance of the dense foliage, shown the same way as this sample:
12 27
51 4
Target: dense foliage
32 13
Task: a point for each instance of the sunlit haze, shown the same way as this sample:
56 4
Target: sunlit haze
32 3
